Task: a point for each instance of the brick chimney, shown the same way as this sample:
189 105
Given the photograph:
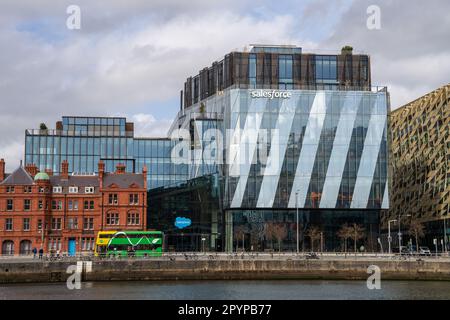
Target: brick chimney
49 172
65 170
2 170
101 172
32 169
144 173
120 168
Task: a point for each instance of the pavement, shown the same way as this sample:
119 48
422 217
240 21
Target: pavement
243 256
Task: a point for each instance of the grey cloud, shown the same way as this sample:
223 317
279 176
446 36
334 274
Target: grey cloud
410 53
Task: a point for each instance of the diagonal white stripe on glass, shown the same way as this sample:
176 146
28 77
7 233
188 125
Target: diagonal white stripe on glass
369 157
308 152
339 152
231 149
277 152
247 146
385 204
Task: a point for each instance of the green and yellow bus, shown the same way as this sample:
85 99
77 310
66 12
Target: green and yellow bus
129 244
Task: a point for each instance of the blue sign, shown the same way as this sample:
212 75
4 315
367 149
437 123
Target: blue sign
181 222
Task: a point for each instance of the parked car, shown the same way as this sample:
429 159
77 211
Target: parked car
424 251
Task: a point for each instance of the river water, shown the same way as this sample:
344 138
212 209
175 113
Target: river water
235 290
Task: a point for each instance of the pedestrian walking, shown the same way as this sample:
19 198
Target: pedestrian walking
41 253
34 252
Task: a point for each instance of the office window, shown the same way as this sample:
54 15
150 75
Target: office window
133 219
72 223
40 204
27 189
27 204
87 244
56 204
73 205
326 68
9 205
39 224
89 205
112 219
252 70
113 199
57 189
285 72
26 224
56 223
134 199
73 189
89 190
88 223
8 224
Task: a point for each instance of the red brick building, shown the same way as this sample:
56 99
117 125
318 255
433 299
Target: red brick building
65 212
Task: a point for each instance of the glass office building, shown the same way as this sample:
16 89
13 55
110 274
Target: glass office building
259 135
84 141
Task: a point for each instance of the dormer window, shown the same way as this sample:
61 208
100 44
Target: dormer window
73 189
57 189
89 190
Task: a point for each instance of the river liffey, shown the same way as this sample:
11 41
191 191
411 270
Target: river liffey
235 290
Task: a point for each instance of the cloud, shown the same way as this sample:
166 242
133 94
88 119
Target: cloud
135 66
146 125
410 53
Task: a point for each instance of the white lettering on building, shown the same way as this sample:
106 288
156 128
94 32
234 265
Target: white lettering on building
271 94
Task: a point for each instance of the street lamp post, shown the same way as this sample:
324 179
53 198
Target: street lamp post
389 234
296 206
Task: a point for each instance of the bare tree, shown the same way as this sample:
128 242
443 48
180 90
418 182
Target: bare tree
344 234
417 230
268 232
314 234
279 232
357 233
239 233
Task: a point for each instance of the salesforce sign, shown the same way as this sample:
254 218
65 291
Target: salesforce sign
182 222
270 94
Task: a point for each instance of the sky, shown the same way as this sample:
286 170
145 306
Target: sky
131 57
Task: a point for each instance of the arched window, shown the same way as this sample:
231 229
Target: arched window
8 247
25 247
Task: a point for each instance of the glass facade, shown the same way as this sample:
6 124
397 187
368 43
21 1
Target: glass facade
84 141
319 149
276 230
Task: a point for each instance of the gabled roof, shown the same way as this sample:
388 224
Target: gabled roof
123 180
19 177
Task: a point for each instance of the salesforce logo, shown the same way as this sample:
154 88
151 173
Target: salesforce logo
271 94
181 222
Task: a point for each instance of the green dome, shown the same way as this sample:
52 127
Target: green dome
41 176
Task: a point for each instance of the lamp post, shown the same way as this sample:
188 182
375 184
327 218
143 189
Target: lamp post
296 206
389 234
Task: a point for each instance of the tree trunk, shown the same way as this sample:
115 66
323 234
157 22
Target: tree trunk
279 245
417 242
